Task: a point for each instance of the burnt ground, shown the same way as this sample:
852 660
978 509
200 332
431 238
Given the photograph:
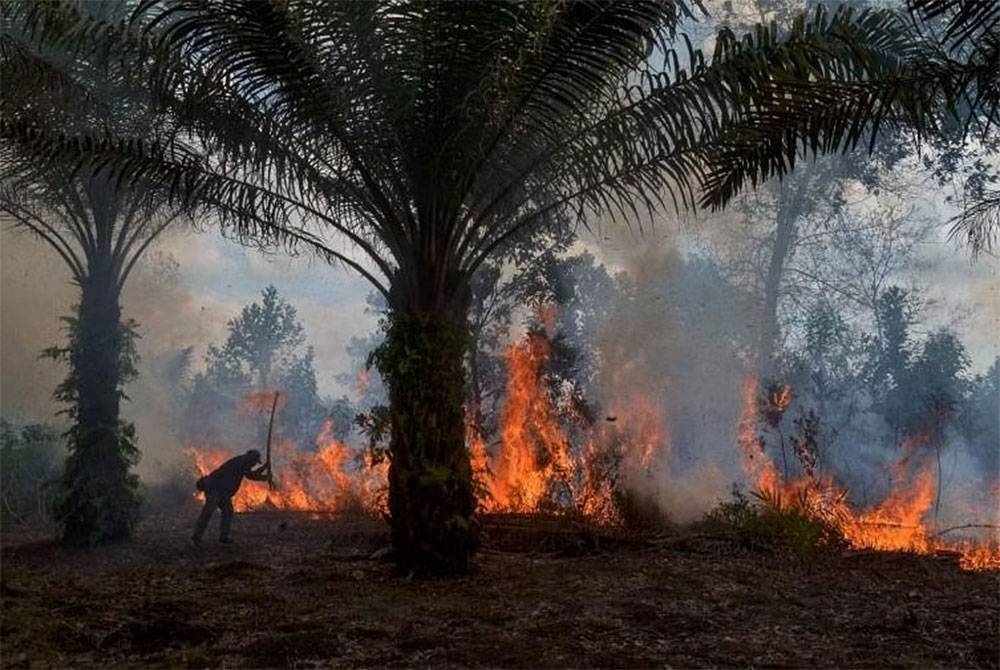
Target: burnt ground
301 592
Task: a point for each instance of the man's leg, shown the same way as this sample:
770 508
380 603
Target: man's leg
226 505
211 502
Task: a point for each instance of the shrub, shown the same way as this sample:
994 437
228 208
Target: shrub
776 521
30 459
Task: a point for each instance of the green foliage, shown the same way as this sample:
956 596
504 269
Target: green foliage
98 498
30 458
431 491
773 521
376 426
67 391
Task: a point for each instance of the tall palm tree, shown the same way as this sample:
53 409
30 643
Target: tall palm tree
411 140
100 232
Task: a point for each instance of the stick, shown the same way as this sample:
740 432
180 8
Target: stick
968 525
270 429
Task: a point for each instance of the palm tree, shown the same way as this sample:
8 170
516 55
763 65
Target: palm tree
413 140
933 71
100 232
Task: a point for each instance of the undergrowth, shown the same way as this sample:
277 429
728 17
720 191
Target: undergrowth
767 519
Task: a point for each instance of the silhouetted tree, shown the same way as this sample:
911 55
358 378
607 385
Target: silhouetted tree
265 349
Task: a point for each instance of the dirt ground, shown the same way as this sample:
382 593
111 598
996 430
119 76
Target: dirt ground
302 592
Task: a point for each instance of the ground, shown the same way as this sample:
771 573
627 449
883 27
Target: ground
303 592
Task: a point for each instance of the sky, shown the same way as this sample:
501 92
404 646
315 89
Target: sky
192 283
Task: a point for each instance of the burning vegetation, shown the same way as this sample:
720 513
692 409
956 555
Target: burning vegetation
550 459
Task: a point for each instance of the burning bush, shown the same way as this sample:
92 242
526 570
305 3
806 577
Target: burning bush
781 522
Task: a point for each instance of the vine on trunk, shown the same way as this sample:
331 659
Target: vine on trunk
431 498
98 497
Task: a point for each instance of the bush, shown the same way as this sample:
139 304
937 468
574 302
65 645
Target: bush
775 521
31 458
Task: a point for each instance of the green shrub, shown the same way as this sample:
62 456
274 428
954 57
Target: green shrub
31 458
772 520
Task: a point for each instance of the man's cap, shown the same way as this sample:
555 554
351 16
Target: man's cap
255 454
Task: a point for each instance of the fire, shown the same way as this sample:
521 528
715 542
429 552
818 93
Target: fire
332 478
535 452
545 461
897 523
537 468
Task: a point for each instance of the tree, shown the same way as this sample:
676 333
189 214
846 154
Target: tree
426 136
980 420
264 350
892 351
932 70
100 231
29 462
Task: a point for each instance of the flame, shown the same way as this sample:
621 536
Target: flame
535 452
545 462
898 523
333 478
537 468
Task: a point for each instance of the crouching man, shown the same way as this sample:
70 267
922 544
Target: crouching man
220 486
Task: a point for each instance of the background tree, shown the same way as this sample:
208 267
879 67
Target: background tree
265 350
30 460
931 70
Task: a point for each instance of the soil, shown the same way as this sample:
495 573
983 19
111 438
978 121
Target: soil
302 592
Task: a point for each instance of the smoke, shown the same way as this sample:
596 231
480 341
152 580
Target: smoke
182 293
672 357
35 291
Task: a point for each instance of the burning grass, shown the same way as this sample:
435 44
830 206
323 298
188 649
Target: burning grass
900 522
551 461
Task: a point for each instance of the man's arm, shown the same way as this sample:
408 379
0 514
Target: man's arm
260 474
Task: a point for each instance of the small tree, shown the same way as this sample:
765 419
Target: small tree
264 349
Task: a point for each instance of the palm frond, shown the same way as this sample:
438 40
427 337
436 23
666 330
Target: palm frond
978 225
874 71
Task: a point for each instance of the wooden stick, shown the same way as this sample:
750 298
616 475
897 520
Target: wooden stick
270 429
968 525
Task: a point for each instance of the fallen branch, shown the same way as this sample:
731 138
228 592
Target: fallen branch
967 526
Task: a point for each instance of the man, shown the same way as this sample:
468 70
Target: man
220 486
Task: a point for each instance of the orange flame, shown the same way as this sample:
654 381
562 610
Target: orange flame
332 478
897 523
535 452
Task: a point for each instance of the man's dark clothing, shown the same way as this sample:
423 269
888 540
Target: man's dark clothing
220 486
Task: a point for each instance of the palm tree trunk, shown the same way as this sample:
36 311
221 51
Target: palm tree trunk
431 498
99 500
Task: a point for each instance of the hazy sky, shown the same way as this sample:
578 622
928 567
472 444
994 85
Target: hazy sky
192 283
